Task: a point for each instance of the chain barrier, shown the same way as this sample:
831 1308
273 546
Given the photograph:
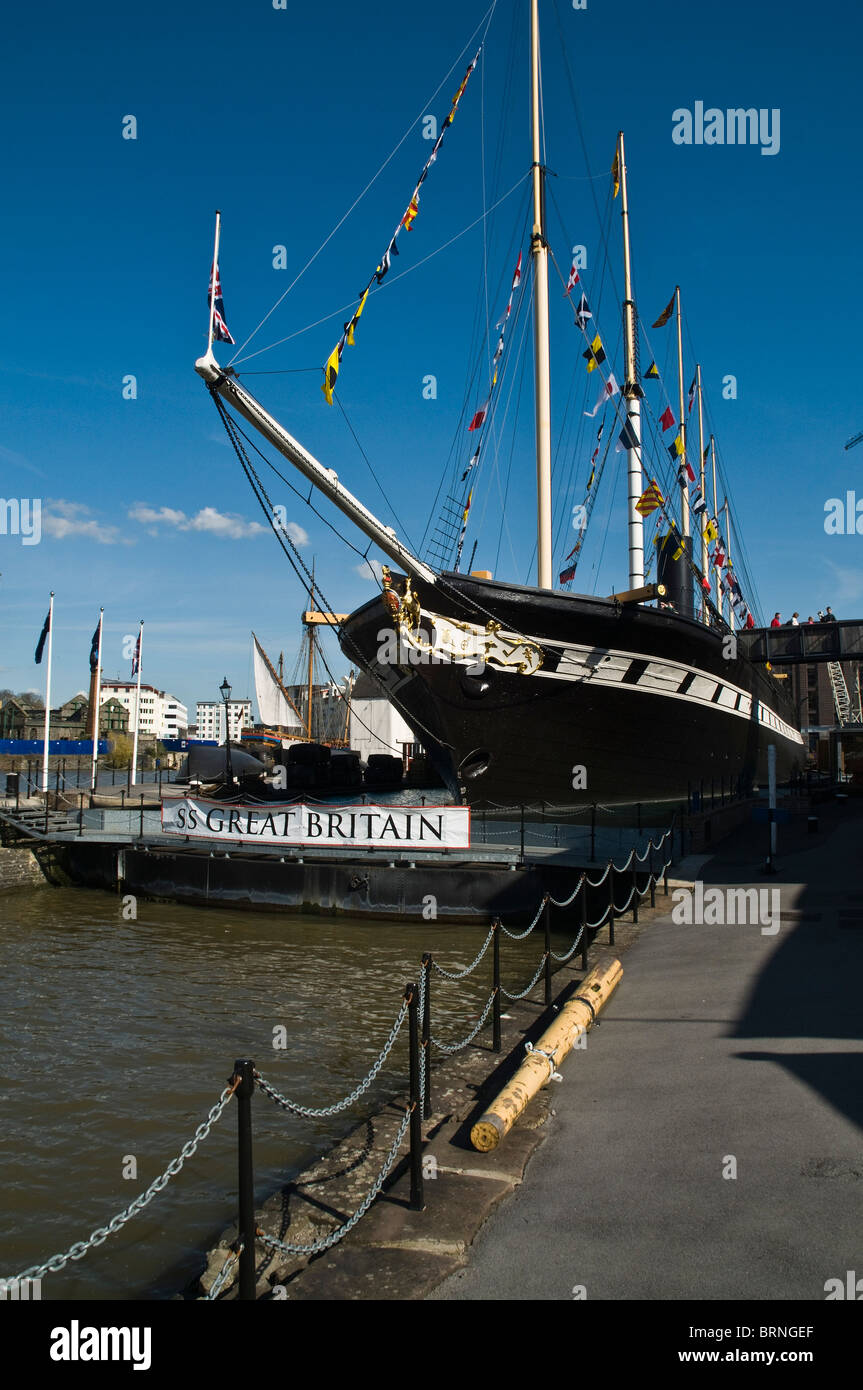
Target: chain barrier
524 992
335 1236
457 1047
620 910
599 882
520 935
313 1114
101 1233
460 974
573 895
219 1281
572 949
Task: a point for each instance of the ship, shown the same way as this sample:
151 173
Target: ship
528 694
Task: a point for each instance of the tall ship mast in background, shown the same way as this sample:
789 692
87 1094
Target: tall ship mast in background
526 693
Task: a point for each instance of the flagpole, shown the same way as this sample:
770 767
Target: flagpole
137 701
718 576
48 695
213 283
704 608
95 719
539 251
684 491
632 392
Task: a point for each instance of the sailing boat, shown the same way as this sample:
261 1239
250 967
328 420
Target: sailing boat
524 693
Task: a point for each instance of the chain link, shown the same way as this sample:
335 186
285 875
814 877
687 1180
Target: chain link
335 1236
520 935
621 910
514 997
572 948
460 974
457 1047
223 1273
599 882
313 1114
101 1233
572 897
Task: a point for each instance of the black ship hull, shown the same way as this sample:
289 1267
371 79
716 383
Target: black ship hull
522 696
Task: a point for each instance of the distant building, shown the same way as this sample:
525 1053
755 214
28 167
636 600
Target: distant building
162 715
377 726
211 719
69 720
815 699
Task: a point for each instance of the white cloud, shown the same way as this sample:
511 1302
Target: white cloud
297 534
208 519
370 570
62 519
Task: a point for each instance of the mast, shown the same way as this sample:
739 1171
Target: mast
48 695
96 689
714 515
632 393
684 492
311 636
137 702
704 608
213 284
727 566
539 251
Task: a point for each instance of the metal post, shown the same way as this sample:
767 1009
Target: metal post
80 813
18 794
611 902
141 824
522 834
652 876
129 776
245 1176
495 1008
417 1202
593 833
584 922
426 1037
547 923
635 890
123 799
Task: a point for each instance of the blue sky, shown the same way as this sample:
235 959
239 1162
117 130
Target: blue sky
280 118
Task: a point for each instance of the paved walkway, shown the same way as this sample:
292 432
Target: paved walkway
723 1048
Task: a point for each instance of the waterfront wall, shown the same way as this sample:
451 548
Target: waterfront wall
19 868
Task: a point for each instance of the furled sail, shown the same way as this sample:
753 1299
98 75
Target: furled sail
273 707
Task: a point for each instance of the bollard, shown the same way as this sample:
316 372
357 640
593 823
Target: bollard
611 902
426 1037
495 1008
416 1203
584 921
547 923
245 1176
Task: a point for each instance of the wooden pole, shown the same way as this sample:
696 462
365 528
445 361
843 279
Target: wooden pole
575 1018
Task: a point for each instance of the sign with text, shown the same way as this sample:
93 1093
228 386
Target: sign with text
358 827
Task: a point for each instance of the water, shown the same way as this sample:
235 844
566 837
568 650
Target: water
117 1037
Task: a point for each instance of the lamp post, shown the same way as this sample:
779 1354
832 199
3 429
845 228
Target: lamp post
225 691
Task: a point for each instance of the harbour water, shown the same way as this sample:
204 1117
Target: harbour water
118 1035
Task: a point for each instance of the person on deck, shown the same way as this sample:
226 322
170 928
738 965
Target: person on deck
795 620
829 616
777 621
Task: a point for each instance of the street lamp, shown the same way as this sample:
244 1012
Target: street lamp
225 691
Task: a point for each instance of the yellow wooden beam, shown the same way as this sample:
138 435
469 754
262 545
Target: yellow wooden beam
575 1018
315 619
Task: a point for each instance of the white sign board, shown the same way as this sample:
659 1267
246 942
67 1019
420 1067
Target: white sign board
350 827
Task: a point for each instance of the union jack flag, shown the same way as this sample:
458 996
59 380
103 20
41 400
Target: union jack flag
220 328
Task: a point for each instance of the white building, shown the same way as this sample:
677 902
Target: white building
211 719
161 715
377 726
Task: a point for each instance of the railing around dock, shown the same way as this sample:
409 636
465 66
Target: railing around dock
640 874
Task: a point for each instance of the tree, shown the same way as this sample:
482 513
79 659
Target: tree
121 751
